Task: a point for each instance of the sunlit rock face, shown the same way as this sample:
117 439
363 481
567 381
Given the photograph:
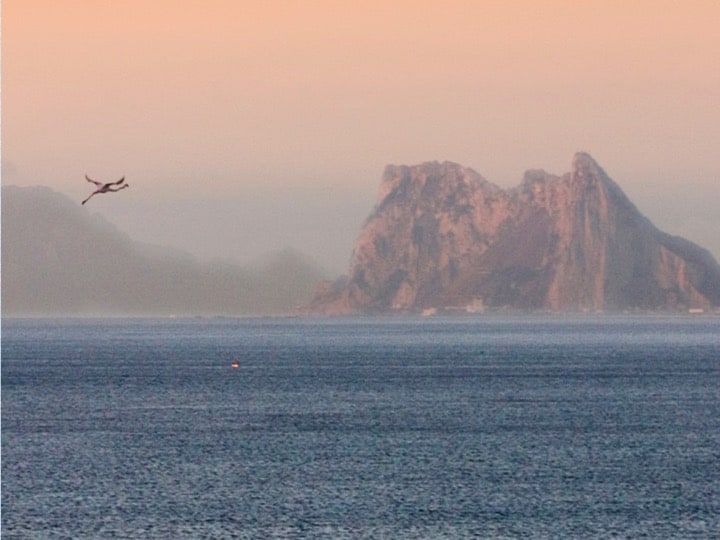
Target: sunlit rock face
441 237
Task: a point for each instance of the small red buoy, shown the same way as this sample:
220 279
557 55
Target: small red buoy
236 364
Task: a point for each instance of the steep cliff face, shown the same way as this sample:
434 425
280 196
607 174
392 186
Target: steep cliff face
442 237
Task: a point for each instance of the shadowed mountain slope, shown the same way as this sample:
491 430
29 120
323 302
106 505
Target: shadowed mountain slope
59 259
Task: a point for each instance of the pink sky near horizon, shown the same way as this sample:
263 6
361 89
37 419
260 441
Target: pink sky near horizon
223 97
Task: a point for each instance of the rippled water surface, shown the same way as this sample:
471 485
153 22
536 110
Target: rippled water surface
361 428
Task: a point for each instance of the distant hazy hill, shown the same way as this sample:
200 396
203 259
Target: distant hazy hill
442 237
60 259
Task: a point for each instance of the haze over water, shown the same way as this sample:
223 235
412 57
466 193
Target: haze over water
245 127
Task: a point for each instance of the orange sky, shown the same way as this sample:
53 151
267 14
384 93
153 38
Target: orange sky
223 96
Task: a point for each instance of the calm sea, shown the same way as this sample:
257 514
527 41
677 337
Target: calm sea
484 427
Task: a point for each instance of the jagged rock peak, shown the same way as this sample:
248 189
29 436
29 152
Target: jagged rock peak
586 170
584 161
422 179
442 237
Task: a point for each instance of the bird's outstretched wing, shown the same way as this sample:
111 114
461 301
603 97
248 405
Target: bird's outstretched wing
93 181
118 182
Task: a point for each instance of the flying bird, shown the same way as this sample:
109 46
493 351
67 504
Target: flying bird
105 188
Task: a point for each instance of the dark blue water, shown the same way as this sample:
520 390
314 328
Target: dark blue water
375 428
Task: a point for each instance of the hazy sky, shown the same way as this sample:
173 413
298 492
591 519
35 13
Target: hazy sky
246 126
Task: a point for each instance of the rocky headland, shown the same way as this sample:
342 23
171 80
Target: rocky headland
442 238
